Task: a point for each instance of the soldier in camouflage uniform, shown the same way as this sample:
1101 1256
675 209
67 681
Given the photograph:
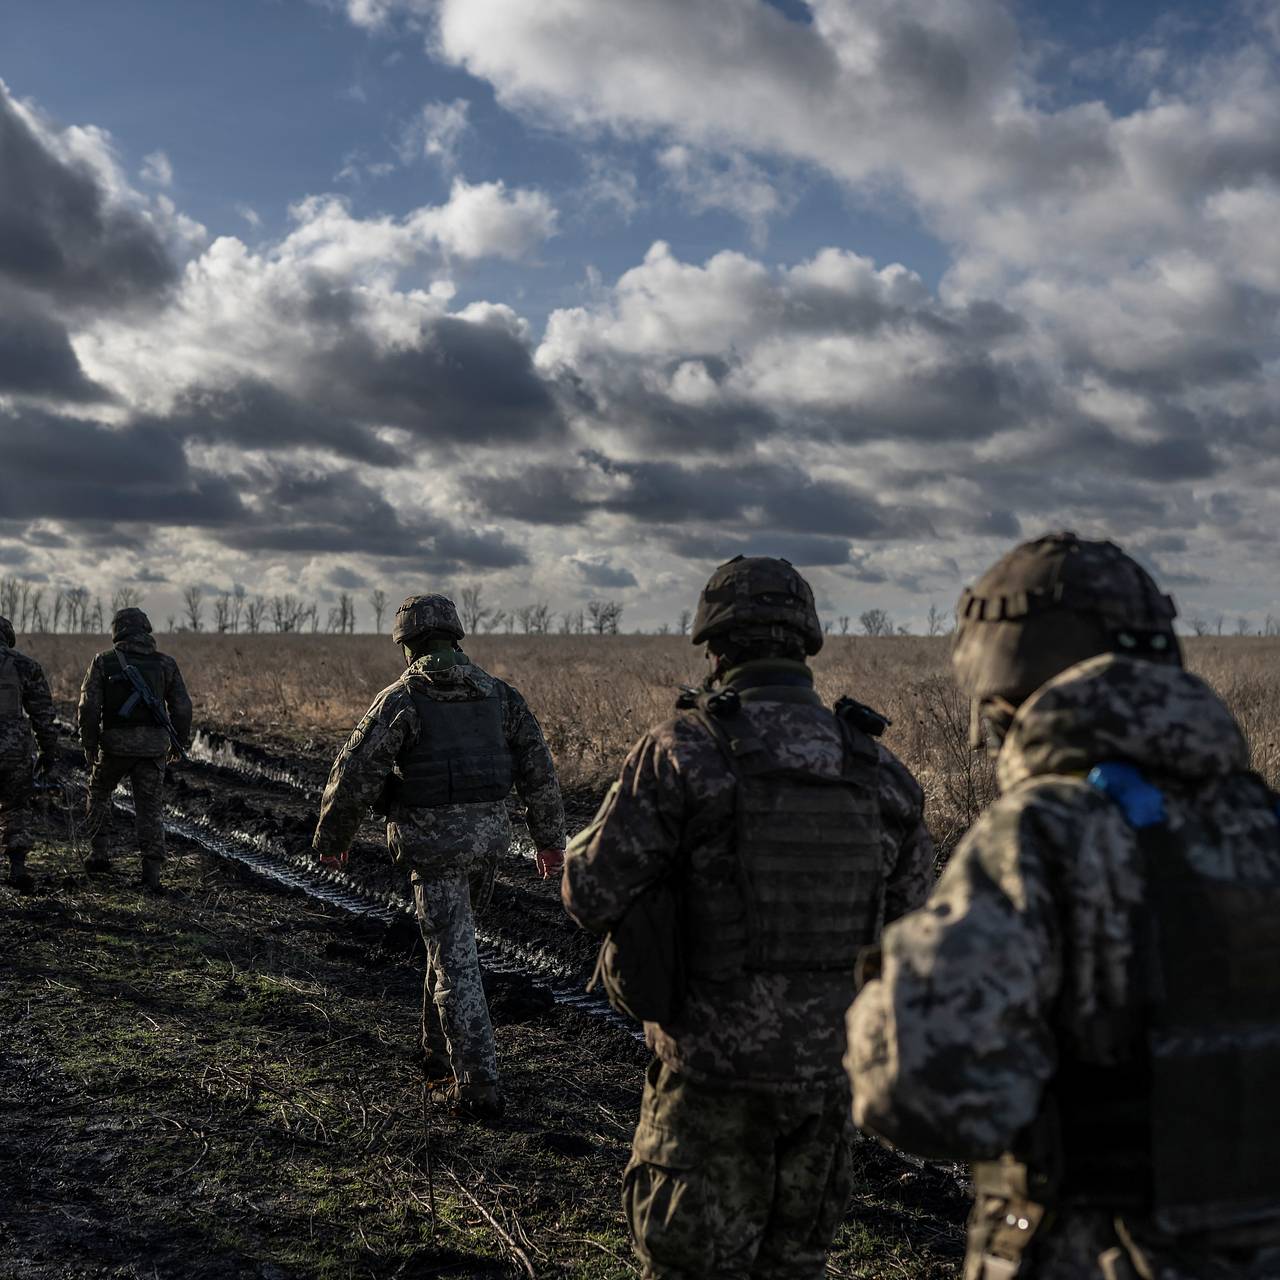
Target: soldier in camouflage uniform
25 708
122 739
788 835
1088 1006
450 740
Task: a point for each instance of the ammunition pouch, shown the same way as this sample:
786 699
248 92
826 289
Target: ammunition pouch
640 964
1003 1222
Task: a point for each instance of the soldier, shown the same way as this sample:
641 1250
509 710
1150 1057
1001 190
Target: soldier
25 707
123 738
1088 1005
441 748
784 836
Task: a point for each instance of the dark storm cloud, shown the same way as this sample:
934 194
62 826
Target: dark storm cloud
715 547
763 495
256 415
605 574
461 382
36 357
347 579
61 236
318 512
81 472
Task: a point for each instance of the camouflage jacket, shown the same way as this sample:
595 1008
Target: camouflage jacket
146 738
433 841
37 704
1025 951
672 810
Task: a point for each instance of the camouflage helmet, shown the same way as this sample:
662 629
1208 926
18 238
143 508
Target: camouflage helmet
1051 603
757 593
127 622
420 614
7 634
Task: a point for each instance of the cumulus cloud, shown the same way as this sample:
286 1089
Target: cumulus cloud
435 132
732 183
157 169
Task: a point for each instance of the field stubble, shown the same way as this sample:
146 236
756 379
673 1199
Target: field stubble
594 695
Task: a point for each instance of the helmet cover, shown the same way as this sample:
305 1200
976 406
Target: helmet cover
1051 603
420 614
753 592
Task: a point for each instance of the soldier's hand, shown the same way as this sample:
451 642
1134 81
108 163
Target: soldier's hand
549 862
337 861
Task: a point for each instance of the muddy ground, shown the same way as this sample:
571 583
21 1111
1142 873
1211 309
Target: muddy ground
224 1082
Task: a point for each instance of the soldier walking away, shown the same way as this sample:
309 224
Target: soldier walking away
439 751
26 713
134 714
1088 1005
750 847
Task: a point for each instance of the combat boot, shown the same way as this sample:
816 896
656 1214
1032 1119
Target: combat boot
19 877
150 882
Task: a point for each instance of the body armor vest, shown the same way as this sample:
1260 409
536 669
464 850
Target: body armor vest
808 855
150 666
461 755
10 687
1189 1128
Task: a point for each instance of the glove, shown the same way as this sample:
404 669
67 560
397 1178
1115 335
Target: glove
336 860
549 862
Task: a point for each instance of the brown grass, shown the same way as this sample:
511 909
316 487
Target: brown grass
595 695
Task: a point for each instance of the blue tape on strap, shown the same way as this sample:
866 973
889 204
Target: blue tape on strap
1141 802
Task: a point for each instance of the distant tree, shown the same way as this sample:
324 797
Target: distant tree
876 622
472 608
125 598
288 613
664 628
1242 626
222 613
1271 627
378 603
1198 624
843 622
237 605
936 623
685 622
902 630
543 617
193 603
255 611
1222 617
605 615
169 623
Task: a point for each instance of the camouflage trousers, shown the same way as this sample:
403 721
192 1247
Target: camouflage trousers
455 1014
15 806
736 1183
146 782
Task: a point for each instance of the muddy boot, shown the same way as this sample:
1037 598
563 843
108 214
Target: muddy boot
150 882
19 877
482 1102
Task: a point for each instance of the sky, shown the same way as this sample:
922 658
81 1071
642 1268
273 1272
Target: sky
573 300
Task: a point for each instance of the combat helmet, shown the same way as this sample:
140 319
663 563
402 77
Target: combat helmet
128 622
7 634
1049 604
420 614
759 595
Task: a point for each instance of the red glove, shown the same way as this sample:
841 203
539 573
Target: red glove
335 860
549 862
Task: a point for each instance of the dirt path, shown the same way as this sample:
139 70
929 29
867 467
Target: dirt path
223 1083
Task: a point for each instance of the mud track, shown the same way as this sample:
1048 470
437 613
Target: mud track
224 1083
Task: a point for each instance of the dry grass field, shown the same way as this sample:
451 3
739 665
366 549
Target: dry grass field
595 694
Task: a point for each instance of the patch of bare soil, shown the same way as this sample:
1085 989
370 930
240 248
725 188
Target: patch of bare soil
224 1083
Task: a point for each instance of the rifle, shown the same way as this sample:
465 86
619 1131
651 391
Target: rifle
144 693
